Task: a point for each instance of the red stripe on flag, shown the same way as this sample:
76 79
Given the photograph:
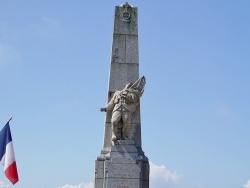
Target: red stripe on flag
11 173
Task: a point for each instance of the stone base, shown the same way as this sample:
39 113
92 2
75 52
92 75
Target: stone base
123 142
122 167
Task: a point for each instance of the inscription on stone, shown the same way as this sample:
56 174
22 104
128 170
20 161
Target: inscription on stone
128 183
123 171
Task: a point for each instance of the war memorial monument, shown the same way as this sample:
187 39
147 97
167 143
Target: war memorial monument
122 163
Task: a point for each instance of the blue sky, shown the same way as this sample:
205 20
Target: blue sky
195 55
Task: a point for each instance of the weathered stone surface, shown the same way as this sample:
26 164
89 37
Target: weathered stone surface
121 73
99 182
121 27
125 50
122 183
122 163
123 171
99 166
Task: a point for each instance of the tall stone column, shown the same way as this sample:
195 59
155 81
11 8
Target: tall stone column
122 163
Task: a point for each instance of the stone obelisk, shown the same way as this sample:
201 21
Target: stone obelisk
122 163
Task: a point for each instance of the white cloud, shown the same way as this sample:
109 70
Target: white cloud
161 177
81 185
247 185
4 185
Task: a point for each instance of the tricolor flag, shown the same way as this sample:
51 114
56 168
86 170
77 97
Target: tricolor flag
7 155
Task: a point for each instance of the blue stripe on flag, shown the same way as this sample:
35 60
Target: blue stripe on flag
5 138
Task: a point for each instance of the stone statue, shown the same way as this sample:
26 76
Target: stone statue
123 104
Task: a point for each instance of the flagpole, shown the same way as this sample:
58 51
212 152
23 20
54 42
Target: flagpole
10 119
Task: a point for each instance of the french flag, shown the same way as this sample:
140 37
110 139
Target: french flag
7 155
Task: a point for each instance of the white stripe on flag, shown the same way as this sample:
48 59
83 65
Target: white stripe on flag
9 156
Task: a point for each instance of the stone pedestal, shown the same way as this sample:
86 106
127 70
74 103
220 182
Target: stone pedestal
122 163
122 167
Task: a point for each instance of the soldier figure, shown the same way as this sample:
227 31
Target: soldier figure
123 104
